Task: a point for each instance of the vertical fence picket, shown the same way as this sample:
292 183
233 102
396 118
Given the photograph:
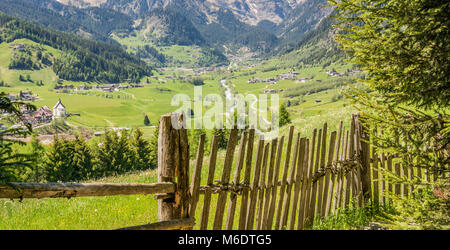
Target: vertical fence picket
347 175
314 181
397 187
287 197
196 176
328 177
304 187
268 185
246 182
221 200
308 221
335 176
262 189
322 168
254 185
382 179
237 176
340 176
274 184
283 187
209 182
375 177
405 174
298 181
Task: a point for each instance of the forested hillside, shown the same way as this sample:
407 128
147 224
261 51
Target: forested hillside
83 60
95 23
317 46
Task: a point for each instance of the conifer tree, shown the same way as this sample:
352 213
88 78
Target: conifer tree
37 151
142 150
403 46
146 121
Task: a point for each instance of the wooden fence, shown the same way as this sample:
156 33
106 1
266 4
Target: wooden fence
287 183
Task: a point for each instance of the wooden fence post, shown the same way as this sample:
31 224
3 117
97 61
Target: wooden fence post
173 162
365 159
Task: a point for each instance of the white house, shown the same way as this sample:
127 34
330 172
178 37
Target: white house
59 110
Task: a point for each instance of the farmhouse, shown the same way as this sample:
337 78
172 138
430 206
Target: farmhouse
43 115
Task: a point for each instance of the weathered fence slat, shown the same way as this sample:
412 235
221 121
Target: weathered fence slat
274 185
196 176
314 184
328 175
290 183
283 187
304 187
268 186
261 187
297 183
321 167
212 169
221 200
397 187
237 176
246 181
67 190
254 185
335 177
405 174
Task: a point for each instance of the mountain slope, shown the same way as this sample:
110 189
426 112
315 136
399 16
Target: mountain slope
82 59
95 23
317 46
169 27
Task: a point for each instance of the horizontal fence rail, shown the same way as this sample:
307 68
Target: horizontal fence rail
68 190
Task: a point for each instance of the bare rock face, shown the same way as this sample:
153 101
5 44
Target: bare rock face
248 11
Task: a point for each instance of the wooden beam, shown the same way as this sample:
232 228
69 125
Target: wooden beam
67 190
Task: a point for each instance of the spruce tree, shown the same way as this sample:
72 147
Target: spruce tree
146 121
142 151
37 151
404 49
83 159
154 148
284 117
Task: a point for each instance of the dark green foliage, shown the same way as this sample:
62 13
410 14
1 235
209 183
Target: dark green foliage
68 160
154 148
412 65
114 155
222 137
22 61
146 121
196 81
37 151
11 162
150 52
210 57
93 22
84 60
194 138
284 116
404 47
143 150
